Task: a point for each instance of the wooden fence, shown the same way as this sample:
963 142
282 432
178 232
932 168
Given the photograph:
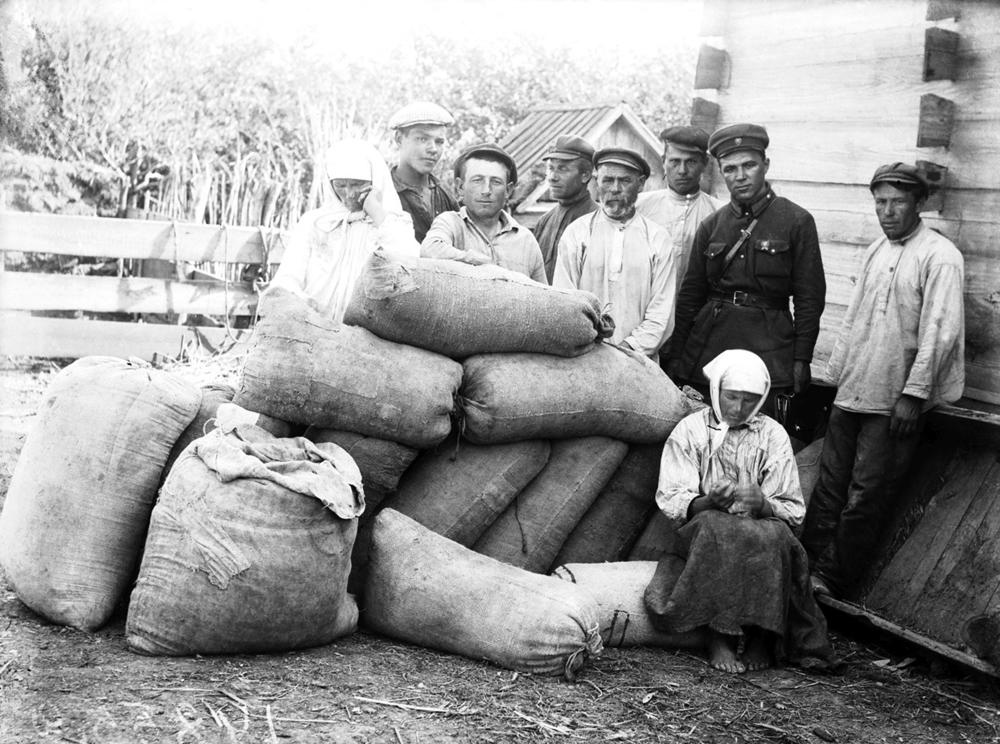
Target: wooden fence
150 309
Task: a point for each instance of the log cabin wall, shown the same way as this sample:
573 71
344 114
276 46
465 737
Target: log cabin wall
841 87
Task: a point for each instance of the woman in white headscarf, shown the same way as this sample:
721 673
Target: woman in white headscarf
734 569
328 247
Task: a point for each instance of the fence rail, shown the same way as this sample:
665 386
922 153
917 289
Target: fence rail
202 258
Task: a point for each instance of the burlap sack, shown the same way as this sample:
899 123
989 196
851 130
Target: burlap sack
429 590
608 392
619 514
619 589
457 309
304 368
249 548
382 462
76 513
212 396
458 492
531 530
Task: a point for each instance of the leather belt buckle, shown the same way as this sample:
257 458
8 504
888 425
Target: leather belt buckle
741 298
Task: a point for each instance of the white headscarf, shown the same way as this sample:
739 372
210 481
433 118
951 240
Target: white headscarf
354 158
740 370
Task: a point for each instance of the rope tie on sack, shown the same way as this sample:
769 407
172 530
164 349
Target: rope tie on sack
615 616
592 646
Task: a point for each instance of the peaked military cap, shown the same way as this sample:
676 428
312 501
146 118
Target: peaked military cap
690 139
569 147
901 173
493 152
622 156
421 112
738 137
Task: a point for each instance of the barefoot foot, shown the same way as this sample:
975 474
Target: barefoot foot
722 654
757 655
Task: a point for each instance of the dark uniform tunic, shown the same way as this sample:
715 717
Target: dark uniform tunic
746 306
413 203
549 229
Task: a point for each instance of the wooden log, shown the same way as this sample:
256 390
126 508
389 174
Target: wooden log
940 54
937 119
119 238
935 175
54 338
712 70
29 291
704 114
938 10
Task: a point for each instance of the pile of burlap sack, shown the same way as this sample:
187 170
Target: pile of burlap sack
462 434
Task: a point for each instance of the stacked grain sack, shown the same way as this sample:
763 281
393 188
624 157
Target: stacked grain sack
547 411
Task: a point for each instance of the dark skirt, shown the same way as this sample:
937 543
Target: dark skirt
730 573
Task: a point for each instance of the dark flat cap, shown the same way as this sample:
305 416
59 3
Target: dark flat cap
569 147
421 112
901 173
491 152
738 137
622 156
691 139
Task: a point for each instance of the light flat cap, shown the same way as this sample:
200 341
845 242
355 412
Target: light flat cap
488 151
903 174
738 137
569 147
421 112
622 156
690 139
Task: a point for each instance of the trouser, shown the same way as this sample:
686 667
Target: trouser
861 470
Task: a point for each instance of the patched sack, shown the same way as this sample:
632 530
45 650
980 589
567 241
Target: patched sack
249 548
78 506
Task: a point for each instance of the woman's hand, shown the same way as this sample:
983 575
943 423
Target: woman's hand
749 499
721 496
371 203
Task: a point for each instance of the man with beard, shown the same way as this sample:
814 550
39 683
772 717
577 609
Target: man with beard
482 231
622 257
568 169
748 258
900 352
420 130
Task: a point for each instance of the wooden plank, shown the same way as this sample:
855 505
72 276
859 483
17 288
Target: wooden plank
968 574
901 584
763 20
24 335
937 120
930 644
120 238
940 54
30 291
712 70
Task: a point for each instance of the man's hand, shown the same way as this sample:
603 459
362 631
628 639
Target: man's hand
904 416
801 376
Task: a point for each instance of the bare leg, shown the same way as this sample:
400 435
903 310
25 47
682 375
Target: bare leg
722 653
757 654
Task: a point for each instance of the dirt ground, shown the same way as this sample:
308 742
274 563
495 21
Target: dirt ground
62 685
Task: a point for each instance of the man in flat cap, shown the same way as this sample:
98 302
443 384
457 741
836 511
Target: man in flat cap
568 170
482 231
420 130
900 351
622 257
747 259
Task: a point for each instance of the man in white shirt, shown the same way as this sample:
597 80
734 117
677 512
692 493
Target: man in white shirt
900 351
622 257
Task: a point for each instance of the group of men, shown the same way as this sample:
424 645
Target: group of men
686 277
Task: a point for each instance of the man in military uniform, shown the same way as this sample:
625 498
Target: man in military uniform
420 132
568 170
748 258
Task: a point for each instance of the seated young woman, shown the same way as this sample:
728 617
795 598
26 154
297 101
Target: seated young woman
734 570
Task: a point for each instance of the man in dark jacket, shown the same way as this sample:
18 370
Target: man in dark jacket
568 170
420 132
747 260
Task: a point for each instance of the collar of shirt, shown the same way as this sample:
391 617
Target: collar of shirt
917 229
754 208
432 182
684 199
619 224
507 223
